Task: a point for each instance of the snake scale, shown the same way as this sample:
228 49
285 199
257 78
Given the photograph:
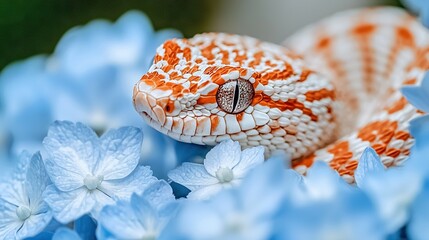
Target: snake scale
331 91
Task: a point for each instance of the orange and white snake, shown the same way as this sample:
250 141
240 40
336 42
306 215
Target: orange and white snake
332 92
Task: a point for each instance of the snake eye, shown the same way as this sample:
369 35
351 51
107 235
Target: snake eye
234 96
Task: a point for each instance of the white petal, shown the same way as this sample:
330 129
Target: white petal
9 222
192 176
37 181
250 158
14 192
159 194
205 192
73 151
226 155
34 225
68 206
121 152
136 182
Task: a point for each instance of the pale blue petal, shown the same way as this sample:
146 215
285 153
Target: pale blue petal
419 129
205 192
270 180
120 221
250 158
101 199
34 225
158 194
15 193
369 163
23 162
225 155
322 182
64 233
68 206
121 152
416 97
189 225
136 182
192 176
73 151
37 181
393 195
9 222
148 216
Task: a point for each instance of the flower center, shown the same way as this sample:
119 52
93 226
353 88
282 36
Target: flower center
23 212
92 182
224 175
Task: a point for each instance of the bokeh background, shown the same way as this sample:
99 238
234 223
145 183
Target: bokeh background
30 27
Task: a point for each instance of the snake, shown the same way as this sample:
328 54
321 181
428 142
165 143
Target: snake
326 93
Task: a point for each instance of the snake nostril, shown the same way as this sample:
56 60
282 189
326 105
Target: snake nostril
167 108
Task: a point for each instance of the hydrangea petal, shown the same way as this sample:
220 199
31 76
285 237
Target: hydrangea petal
418 95
34 225
101 199
37 181
9 222
136 182
226 155
64 233
192 176
158 194
419 129
322 182
205 192
68 206
250 158
393 195
73 152
120 221
369 163
121 150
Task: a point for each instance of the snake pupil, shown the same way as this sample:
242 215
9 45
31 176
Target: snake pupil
236 95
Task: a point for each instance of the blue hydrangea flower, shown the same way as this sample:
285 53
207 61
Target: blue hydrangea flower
27 95
90 172
326 207
144 217
23 213
64 233
224 166
100 63
246 212
418 95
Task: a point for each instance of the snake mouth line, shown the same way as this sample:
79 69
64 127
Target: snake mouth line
201 140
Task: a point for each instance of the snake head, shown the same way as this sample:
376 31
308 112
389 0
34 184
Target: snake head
214 87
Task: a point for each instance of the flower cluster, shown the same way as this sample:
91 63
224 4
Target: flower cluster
91 177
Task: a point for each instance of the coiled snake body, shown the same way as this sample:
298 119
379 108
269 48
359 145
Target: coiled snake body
332 92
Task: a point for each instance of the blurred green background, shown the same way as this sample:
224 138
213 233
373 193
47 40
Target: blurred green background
29 27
